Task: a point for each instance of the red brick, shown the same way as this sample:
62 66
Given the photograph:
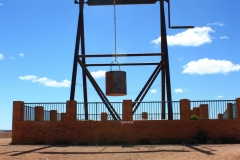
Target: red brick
104 116
203 111
53 115
144 116
39 113
29 132
238 108
229 111
71 111
185 109
127 110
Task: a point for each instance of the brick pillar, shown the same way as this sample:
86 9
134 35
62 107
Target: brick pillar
104 116
18 116
238 108
144 116
53 115
71 111
203 111
63 116
127 110
185 112
219 116
195 111
39 113
229 111
18 111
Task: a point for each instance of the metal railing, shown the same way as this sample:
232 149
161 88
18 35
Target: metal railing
215 107
29 110
154 110
95 109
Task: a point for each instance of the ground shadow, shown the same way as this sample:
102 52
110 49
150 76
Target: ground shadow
201 150
126 152
33 150
8 152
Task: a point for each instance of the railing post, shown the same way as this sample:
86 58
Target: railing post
238 108
203 109
18 115
104 116
195 111
71 111
144 116
219 116
18 111
185 112
229 111
63 116
53 115
39 113
127 110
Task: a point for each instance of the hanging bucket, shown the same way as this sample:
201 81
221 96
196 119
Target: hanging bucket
116 83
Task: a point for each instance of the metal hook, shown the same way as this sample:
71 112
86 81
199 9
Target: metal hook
117 63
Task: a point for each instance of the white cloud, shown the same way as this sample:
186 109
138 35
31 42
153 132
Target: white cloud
224 37
21 54
178 90
210 66
191 37
45 81
153 91
216 24
29 77
219 96
1 4
1 56
98 74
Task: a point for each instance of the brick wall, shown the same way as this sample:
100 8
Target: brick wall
70 130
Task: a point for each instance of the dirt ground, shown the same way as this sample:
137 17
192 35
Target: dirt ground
146 152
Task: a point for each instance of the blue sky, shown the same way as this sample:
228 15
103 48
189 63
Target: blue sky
37 40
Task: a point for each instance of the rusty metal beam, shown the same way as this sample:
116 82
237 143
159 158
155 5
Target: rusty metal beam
100 92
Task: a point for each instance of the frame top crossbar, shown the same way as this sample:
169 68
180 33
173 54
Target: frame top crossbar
121 55
119 2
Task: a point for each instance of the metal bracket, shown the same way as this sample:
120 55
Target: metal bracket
169 22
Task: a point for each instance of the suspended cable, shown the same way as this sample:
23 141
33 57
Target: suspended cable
87 88
115 30
115 33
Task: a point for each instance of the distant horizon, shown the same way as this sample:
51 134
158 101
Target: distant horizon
5 130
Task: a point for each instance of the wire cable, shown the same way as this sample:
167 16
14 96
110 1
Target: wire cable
115 30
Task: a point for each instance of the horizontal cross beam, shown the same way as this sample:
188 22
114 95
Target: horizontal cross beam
120 55
119 2
123 64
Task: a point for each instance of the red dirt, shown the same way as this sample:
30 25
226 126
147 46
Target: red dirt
182 152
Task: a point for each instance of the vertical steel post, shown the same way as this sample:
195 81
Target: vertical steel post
74 71
84 76
96 111
80 36
164 49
